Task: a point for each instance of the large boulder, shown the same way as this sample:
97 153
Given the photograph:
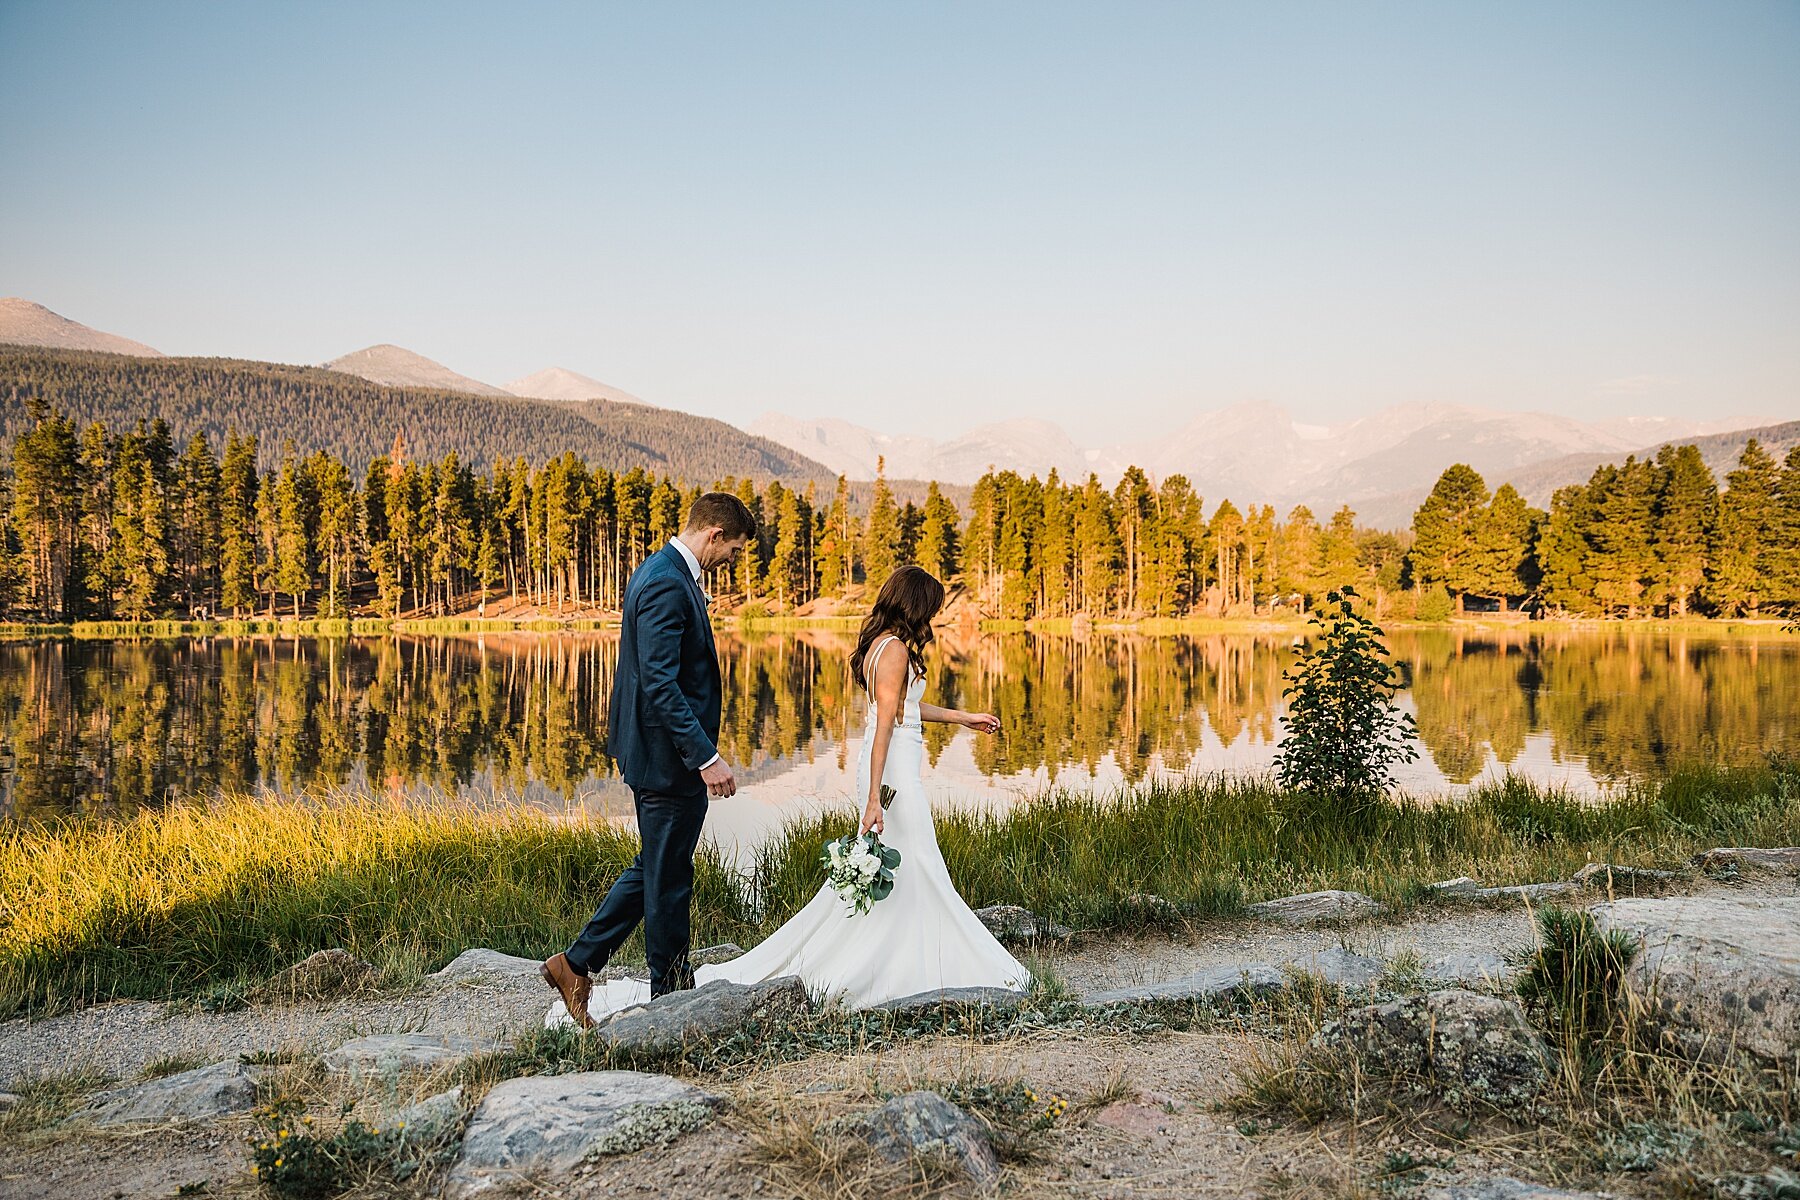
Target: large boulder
713 1010
1477 1051
1716 971
1010 923
541 1126
925 1125
1529 892
1316 908
1210 983
387 1055
198 1095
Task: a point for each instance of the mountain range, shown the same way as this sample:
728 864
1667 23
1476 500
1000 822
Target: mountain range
1382 464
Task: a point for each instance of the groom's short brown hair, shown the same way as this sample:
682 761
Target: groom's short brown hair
724 510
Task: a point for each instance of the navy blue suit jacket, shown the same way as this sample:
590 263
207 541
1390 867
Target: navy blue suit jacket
664 722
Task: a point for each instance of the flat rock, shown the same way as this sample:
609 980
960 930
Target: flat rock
1528 891
485 966
321 976
925 1124
391 1054
1211 983
1475 1050
544 1125
708 956
1462 885
713 1010
1716 971
1341 968
1316 908
1141 1120
1780 860
1477 969
1010 923
1606 877
431 1119
198 1095
1005 999
1504 1187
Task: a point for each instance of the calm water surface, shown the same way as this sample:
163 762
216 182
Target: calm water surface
90 727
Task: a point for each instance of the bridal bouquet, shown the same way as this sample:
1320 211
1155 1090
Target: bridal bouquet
860 870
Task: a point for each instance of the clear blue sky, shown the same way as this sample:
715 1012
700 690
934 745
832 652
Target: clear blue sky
920 215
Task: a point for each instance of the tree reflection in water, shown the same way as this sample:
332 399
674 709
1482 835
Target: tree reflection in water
104 726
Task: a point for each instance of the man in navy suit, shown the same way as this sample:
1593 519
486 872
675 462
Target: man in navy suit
663 730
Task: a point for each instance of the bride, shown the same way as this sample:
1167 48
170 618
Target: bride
922 937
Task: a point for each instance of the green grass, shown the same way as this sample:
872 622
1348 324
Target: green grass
205 901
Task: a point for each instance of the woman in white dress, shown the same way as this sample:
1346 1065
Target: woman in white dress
922 937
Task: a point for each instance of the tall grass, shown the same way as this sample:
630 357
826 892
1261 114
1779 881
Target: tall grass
201 897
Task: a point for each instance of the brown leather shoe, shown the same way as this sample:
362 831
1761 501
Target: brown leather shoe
574 988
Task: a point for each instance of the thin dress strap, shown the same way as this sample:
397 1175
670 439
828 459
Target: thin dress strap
869 677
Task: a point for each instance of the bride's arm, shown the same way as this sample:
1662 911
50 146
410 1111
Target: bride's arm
979 722
889 688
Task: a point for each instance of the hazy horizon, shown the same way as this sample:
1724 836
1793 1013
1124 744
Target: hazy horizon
923 220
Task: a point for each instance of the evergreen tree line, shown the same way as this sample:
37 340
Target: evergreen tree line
1651 537
101 525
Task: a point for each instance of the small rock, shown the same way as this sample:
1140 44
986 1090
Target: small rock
712 1010
1477 969
1010 923
1502 1187
1782 860
1004 999
431 1119
1462 885
485 966
1528 891
1341 968
1153 906
1476 1049
1314 908
1211 983
924 1123
1605 877
382 1055
1140 1119
1716 971
544 1126
321 976
709 956
198 1095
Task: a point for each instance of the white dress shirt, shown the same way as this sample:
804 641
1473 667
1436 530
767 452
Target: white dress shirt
694 570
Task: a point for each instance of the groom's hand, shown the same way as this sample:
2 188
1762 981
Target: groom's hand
720 782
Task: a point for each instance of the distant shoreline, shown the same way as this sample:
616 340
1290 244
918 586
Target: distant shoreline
1153 627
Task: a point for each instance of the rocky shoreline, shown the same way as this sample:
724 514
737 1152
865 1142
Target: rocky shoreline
1131 1051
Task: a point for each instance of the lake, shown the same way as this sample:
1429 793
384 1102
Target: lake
99 727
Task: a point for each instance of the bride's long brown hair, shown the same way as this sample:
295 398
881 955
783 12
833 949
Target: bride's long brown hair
905 606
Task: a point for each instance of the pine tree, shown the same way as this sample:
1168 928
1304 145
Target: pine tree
937 534
1446 533
196 522
1340 565
881 537
294 511
1748 521
46 510
238 484
1504 565
334 536
1301 547
1685 510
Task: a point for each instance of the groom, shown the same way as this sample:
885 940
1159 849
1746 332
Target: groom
664 732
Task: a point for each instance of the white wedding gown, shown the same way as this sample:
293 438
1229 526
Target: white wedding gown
922 938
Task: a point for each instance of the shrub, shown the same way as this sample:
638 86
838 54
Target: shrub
1344 731
1435 604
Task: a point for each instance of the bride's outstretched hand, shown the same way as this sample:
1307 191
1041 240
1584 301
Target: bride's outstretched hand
871 820
982 722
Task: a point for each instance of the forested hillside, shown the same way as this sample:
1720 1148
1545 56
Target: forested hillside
354 421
